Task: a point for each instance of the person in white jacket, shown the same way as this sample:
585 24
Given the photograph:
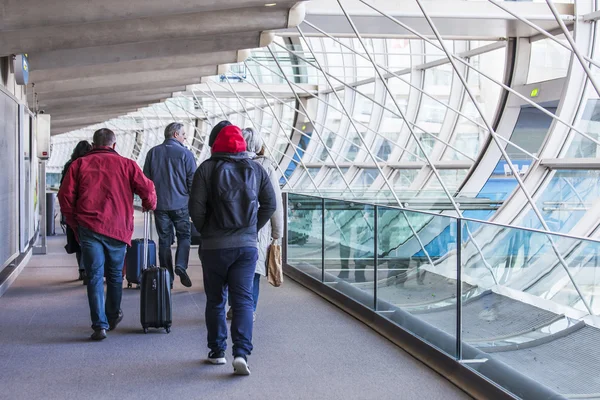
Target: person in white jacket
272 231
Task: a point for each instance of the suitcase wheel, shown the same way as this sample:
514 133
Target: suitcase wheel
168 329
129 285
137 286
145 330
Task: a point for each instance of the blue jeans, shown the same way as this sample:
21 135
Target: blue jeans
166 223
233 269
99 252
255 290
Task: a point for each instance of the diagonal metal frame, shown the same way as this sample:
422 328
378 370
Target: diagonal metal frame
282 103
386 180
430 164
393 74
505 155
256 127
299 101
542 31
574 47
383 106
293 128
289 140
497 82
306 113
352 118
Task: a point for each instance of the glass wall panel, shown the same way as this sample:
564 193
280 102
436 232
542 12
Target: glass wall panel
567 198
304 234
305 182
524 304
582 147
349 240
333 179
417 274
548 60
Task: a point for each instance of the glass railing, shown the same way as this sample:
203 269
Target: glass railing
496 298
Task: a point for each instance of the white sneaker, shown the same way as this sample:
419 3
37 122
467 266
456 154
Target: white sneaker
240 366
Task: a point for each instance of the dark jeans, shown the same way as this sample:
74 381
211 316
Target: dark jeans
169 224
99 252
78 257
255 291
233 269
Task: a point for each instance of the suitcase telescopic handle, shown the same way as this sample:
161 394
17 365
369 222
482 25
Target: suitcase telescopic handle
146 234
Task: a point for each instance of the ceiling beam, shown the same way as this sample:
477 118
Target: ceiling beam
26 14
113 32
113 89
126 104
85 117
134 78
157 64
144 50
101 99
151 98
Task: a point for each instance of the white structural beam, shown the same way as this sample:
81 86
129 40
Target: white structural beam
105 100
156 64
101 99
25 14
124 79
125 101
147 50
79 118
455 19
164 27
116 89
247 90
571 163
74 113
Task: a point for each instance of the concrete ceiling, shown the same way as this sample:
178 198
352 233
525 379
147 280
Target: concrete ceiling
94 60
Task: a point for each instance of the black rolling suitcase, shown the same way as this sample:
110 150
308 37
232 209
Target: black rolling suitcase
155 295
134 259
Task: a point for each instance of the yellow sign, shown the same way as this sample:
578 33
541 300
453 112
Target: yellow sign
535 92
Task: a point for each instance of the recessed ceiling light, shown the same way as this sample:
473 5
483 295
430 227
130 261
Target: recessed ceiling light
270 4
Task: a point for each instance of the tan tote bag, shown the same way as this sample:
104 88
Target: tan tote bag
274 267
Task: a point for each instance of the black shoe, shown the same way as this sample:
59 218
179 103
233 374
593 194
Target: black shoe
86 278
113 324
99 334
344 275
82 275
185 279
217 357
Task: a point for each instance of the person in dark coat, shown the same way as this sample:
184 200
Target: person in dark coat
80 150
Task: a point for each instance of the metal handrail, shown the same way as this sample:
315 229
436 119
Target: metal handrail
475 220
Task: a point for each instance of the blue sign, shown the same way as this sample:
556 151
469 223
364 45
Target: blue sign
21 68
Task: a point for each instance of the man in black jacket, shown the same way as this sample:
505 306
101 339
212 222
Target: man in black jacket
231 199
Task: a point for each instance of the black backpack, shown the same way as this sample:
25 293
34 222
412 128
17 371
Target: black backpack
233 194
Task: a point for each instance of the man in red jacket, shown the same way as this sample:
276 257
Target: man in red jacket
96 198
